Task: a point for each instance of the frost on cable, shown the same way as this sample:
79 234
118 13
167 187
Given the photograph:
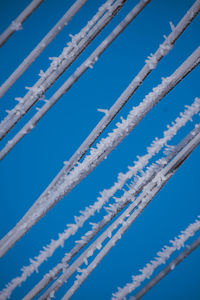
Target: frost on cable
159 259
125 219
56 67
67 182
103 110
128 196
151 61
164 48
90 62
73 45
16 26
122 129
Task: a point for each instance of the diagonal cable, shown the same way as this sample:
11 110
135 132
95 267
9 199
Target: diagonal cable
88 63
106 194
163 49
126 219
41 46
122 202
59 64
17 23
59 188
167 269
161 257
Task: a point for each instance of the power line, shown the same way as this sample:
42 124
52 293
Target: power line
126 219
170 267
17 23
60 64
41 46
64 183
88 63
106 195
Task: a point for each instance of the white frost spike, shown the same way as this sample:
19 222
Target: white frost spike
89 63
99 246
106 194
165 48
74 40
172 26
109 234
44 100
56 61
28 88
168 149
35 91
151 61
94 225
172 267
79 270
61 63
19 99
105 111
86 261
52 295
165 37
42 74
46 40
160 258
16 26
126 224
186 20
90 253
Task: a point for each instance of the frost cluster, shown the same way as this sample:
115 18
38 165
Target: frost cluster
159 259
16 26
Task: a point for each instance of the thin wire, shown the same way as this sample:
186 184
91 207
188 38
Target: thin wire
88 63
141 202
133 171
123 202
167 269
41 46
66 183
60 64
17 23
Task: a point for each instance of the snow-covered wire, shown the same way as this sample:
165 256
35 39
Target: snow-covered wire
160 179
167 269
59 64
61 186
161 257
17 23
116 208
104 197
41 46
121 202
88 63
163 49
126 219
85 239
83 258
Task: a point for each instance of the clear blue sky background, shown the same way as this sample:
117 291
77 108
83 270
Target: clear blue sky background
34 162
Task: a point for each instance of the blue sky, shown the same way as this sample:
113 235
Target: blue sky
35 161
